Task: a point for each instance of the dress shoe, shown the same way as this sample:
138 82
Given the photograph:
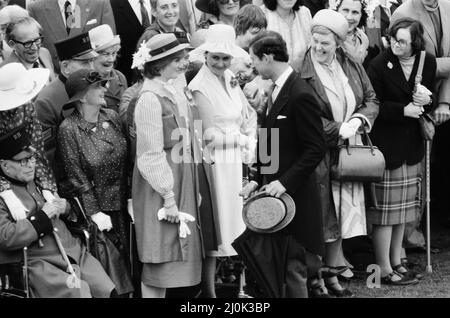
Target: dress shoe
404 270
403 281
340 293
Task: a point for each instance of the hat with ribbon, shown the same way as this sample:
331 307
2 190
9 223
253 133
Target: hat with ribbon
19 85
102 37
263 213
78 82
332 20
75 48
219 38
156 48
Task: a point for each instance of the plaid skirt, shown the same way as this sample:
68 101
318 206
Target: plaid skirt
397 198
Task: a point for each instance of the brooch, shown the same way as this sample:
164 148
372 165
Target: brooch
105 125
389 65
234 82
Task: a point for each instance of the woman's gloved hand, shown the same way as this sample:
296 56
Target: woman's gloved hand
102 220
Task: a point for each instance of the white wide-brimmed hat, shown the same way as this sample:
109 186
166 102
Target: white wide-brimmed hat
219 38
156 48
102 37
19 85
332 20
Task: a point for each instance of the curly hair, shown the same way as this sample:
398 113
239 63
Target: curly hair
272 4
364 16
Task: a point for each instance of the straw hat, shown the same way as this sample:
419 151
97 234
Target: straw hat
19 85
102 37
219 38
332 20
156 48
263 213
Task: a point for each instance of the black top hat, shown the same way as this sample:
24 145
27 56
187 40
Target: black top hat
75 48
263 213
14 142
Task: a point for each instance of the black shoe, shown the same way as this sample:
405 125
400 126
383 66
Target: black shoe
403 281
410 273
340 293
328 271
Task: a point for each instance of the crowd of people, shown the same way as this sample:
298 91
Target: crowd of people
151 124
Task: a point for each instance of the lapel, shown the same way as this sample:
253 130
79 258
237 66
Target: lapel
281 101
183 20
56 24
128 13
309 74
445 21
424 17
395 74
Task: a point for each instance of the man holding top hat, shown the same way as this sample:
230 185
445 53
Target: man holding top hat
292 123
74 53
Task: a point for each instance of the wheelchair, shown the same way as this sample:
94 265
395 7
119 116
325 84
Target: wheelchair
14 281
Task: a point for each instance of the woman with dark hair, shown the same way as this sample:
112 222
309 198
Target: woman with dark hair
219 11
293 21
357 42
397 198
166 182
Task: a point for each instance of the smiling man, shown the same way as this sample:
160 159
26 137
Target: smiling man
24 37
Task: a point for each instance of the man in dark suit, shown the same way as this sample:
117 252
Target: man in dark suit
293 124
61 19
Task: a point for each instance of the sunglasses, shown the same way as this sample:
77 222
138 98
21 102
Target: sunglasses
226 1
29 44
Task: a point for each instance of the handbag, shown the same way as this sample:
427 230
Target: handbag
426 122
359 163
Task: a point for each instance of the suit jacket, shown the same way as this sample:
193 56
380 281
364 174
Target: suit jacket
392 129
48 14
301 146
414 9
44 58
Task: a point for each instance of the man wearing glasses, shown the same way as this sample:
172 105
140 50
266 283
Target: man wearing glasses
74 53
24 37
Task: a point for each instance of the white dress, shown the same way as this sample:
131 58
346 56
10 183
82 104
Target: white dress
227 117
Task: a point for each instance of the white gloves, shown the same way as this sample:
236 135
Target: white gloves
423 90
102 220
183 217
349 129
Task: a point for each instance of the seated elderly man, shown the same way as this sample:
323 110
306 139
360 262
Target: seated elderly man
58 265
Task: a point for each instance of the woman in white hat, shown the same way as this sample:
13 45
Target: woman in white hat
18 86
230 136
347 101
107 45
170 231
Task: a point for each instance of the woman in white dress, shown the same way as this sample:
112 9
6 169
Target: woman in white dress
293 21
229 131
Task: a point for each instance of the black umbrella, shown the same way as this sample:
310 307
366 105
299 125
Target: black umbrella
265 256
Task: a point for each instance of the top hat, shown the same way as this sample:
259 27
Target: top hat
263 213
75 48
332 20
19 85
102 37
14 142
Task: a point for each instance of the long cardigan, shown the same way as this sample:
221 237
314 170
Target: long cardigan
397 136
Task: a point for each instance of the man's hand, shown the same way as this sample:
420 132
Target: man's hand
55 208
275 189
248 189
441 114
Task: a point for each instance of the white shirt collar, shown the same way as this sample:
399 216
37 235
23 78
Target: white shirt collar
136 6
283 77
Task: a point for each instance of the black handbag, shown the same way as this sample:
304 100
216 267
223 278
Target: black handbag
359 163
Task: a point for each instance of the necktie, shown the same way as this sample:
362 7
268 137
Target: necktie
68 15
270 99
144 14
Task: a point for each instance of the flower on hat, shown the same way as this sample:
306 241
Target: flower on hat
369 6
141 57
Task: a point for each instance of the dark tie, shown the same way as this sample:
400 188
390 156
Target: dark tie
68 15
269 98
144 14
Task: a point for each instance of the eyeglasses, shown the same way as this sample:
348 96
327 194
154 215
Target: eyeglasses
401 43
226 1
29 44
25 161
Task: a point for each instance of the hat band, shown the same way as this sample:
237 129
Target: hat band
165 48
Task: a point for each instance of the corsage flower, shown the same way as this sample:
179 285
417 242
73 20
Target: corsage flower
141 57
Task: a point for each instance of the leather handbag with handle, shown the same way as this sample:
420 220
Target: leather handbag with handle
360 163
426 122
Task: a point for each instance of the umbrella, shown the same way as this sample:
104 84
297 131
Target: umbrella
266 256
427 180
